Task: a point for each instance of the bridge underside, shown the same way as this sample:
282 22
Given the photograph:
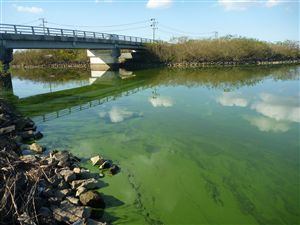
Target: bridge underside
103 53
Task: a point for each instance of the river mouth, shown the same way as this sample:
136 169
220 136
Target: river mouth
202 146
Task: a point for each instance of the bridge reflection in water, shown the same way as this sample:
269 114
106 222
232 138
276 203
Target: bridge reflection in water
105 86
99 88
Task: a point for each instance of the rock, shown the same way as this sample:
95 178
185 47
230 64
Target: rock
38 135
86 174
27 135
28 158
44 211
89 184
54 200
63 185
25 219
18 139
101 175
56 180
48 192
26 152
36 148
69 213
97 160
80 190
93 199
105 165
68 175
79 222
24 147
63 193
114 170
76 170
94 222
73 200
8 129
60 156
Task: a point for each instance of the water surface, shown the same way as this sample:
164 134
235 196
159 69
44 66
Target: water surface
206 146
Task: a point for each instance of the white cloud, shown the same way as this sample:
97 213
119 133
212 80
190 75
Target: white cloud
153 4
237 4
161 101
117 114
26 9
286 108
266 124
232 99
271 3
105 1
245 4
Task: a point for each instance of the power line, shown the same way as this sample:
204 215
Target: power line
132 28
115 25
29 22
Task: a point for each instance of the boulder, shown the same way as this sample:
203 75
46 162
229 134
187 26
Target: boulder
80 190
36 148
69 213
93 199
94 222
26 152
7 129
114 170
63 193
38 135
73 200
44 211
97 160
68 175
76 170
89 184
105 165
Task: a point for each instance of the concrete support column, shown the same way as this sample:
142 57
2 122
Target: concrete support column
6 56
104 59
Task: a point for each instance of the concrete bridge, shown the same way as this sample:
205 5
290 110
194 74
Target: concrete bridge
103 49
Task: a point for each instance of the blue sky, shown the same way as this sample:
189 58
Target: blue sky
270 20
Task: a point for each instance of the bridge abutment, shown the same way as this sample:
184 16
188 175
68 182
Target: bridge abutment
104 59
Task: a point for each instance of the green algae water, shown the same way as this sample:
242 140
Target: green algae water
205 146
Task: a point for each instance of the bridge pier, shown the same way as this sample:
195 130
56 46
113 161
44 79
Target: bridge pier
6 56
104 59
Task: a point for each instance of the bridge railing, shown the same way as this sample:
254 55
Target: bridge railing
49 31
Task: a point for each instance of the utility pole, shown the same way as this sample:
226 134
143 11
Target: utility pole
153 25
216 34
43 23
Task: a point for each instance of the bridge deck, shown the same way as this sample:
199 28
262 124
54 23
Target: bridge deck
34 37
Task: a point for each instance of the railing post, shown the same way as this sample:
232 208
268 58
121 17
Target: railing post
62 32
94 34
32 29
84 34
15 28
73 33
48 31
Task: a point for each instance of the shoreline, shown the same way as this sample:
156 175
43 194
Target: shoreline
140 65
45 188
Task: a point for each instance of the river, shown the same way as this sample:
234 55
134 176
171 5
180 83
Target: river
199 146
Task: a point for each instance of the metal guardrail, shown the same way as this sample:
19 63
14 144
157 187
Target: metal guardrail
49 31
